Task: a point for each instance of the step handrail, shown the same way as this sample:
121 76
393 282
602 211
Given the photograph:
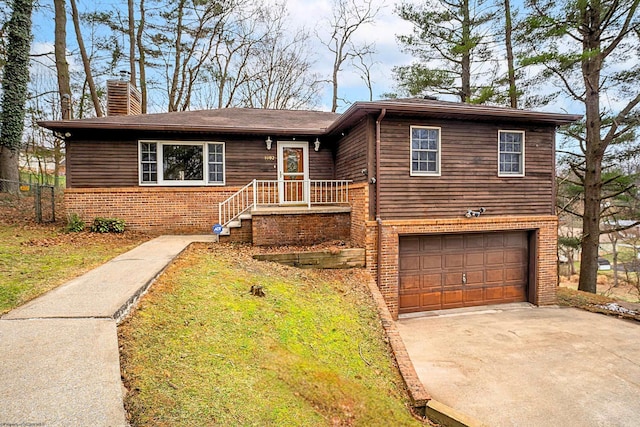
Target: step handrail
237 204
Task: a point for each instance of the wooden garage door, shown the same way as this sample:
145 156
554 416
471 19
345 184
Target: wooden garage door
462 270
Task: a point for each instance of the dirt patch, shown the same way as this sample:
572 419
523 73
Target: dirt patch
598 303
605 286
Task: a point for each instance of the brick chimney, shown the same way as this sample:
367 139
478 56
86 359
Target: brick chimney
123 99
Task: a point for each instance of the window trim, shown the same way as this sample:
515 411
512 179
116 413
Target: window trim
438 171
171 183
522 156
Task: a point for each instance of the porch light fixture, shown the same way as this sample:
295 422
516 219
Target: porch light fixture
316 144
268 142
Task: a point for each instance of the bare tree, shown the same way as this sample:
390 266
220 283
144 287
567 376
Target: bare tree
86 62
347 17
60 51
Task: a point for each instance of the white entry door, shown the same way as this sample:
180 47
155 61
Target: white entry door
293 171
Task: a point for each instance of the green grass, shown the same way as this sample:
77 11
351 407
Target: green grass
35 259
201 351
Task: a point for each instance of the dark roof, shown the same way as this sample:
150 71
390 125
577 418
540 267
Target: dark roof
445 109
229 120
300 122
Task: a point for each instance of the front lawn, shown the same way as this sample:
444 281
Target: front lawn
37 258
200 350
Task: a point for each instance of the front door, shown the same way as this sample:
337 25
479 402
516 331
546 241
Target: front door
293 161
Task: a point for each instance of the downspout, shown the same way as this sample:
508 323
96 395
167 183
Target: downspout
383 112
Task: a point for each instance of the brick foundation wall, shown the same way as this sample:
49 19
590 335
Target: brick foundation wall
151 209
300 229
242 234
546 265
359 201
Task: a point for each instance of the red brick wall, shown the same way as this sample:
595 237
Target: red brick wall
300 229
159 209
546 266
359 201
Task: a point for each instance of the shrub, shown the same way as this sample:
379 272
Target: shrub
74 224
108 225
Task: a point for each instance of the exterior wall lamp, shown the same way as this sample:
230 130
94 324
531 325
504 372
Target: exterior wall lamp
316 144
268 141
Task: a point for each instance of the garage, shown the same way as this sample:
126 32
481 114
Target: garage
462 270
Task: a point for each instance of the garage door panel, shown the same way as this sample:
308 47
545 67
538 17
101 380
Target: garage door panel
431 244
453 242
431 261
452 279
460 270
474 241
431 299
494 276
516 293
494 257
452 298
474 259
514 257
410 245
431 280
473 296
494 293
453 260
514 274
515 240
410 302
410 263
494 240
410 282
475 277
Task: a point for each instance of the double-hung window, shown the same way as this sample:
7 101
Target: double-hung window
181 163
510 153
425 150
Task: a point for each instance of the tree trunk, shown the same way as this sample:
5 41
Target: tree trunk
511 73
85 60
132 44
141 58
465 94
594 153
15 79
60 52
9 173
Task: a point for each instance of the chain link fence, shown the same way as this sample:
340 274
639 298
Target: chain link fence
23 200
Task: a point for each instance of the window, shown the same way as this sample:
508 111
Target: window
425 151
510 153
181 163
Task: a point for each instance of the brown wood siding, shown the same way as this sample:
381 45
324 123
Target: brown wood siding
114 163
469 172
351 156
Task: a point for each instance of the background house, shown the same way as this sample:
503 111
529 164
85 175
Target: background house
453 203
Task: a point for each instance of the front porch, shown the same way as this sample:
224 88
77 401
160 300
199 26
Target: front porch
287 212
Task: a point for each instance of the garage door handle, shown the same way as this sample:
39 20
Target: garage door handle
464 278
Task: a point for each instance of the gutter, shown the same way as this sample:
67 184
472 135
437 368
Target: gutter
383 112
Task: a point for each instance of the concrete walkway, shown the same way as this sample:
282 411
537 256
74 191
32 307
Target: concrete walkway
59 359
530 366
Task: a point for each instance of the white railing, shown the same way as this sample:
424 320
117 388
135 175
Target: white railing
240 202
261 193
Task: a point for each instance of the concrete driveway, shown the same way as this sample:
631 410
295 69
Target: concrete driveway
529 366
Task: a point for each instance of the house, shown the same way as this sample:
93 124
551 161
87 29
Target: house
453 203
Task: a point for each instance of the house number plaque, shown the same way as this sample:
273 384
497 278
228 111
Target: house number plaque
270 157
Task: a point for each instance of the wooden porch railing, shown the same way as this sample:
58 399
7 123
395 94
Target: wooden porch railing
261 193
